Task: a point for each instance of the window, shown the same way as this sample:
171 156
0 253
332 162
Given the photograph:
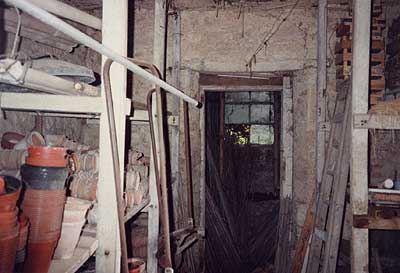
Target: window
249 117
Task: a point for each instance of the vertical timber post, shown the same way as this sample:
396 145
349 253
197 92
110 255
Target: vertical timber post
114 35
160 23
321 89
359 142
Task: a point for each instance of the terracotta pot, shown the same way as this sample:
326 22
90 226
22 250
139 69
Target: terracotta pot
44 221
8 220
39 256
32 139
9 139
2 186
136 265
84 185
9 200
8 249
23 232
43 198
47 156
44 178
10 231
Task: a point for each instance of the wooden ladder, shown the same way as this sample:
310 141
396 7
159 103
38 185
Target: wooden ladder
330 193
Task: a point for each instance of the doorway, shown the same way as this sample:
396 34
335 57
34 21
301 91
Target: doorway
242 178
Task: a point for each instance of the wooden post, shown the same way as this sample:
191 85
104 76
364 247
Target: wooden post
321 88
359 143
114 33
287 140
160 19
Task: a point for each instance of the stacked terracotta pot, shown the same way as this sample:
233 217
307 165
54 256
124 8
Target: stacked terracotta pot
74 219
44 175
10 188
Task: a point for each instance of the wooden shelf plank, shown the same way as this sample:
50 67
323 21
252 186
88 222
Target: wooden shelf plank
376 121
86 247
135 210
57 103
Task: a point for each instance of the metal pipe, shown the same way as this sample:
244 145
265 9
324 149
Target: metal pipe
116 166
64 10
60 25
188 161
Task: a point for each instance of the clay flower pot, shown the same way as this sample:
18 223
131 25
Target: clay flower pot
2 186
39 256
8 200
8 220
47 156
8 249
23 232
44 178
136 265
9 139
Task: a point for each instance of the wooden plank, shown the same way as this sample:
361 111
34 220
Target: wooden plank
286 189
321 87
132 212
302 244
376 121
114 34
160 18
211 79
359 143
51 103
84 250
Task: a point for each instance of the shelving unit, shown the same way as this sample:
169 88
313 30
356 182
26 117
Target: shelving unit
105 239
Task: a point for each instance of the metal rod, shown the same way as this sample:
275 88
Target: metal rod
60 25
188 161
116 166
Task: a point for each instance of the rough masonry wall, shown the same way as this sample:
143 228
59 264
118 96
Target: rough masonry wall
224 42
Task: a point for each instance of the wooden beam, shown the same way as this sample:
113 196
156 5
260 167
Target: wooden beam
160 24
286 188
321 87
303 242
115 29
359 143
210 79
376 121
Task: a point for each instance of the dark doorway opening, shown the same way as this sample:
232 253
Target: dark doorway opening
242 148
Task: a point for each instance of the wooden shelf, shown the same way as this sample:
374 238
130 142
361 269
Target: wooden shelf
376 121
87 245
135 210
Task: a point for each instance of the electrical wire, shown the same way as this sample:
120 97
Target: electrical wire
270 34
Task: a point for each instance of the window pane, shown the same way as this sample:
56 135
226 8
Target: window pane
236 113
261 97
237 97
262 134
261 113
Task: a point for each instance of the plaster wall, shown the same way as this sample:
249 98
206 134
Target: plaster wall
224 41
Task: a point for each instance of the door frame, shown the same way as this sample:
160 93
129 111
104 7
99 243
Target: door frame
286 136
